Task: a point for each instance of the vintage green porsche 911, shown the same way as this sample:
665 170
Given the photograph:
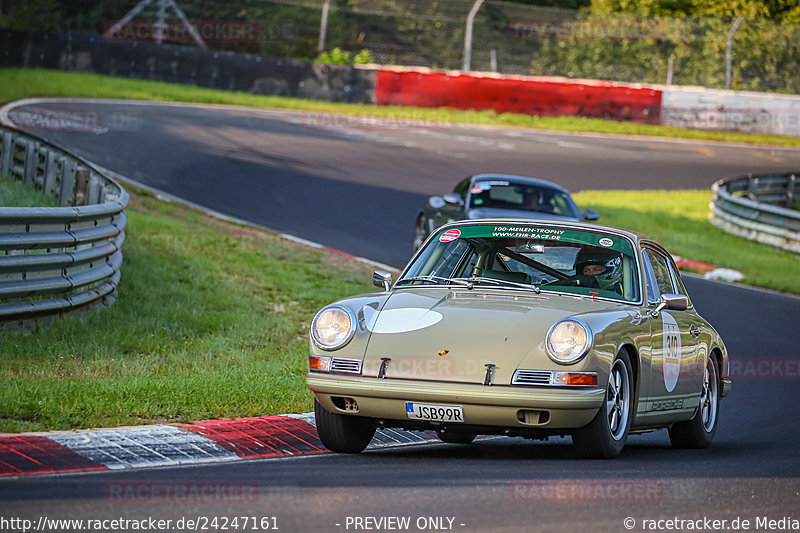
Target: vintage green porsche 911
522 328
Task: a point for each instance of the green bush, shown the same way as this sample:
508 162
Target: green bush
337 56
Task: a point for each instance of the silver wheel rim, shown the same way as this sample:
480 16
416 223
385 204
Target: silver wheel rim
618 400
708 397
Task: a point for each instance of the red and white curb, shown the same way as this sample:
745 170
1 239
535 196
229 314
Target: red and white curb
708 271
207 441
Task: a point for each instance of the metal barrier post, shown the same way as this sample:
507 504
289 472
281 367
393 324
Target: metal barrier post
468 35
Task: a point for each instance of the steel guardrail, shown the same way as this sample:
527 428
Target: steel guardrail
761 207
57 260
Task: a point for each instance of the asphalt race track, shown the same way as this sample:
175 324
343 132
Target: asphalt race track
356 185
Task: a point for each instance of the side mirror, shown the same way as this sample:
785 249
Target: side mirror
590 214
381 278
436 202
674 302
453 199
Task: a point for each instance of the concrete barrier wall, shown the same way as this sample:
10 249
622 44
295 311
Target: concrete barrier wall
186 65
710 109
519 94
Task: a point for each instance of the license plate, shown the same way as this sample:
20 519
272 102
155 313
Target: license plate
437 413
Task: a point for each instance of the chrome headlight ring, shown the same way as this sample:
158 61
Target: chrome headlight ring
568 341
333 327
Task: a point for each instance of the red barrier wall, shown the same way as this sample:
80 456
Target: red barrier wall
528 96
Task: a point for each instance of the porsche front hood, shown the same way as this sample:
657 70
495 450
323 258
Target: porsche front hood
450 335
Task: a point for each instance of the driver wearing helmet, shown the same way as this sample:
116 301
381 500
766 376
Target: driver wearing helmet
600 269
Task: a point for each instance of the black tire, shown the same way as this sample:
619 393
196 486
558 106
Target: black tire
605 436
420 232
699 431
455 436
343 433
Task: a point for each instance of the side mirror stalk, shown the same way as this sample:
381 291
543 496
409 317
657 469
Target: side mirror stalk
381 278
675 302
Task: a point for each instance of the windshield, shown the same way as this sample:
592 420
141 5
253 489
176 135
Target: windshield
535 256
499 194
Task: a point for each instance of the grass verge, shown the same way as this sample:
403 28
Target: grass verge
14 193
211 321
679 221
27 83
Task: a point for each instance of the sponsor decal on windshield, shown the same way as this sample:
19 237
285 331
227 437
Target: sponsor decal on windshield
522 232
537 233
450 235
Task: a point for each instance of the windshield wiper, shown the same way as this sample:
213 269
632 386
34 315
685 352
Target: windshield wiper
436 279
481 279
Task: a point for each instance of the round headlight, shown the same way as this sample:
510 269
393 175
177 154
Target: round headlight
333 327
568 341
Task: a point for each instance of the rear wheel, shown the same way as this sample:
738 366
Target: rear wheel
455 436
420 232
605 436
343 433
699 431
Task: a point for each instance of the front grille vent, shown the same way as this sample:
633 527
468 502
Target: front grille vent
532 377
349 366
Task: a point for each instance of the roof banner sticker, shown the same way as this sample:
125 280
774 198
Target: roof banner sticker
539 233
552 234
449 235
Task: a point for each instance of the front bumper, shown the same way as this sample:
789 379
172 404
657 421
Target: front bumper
490 406
726 387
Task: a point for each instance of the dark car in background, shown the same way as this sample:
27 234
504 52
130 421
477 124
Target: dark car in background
498 196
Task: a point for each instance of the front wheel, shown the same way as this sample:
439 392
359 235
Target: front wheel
699 431
343 433
605 436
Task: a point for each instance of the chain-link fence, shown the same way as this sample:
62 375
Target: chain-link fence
513 38
508 37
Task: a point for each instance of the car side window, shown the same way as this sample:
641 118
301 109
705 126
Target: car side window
661 271
652 284
677 281
461 188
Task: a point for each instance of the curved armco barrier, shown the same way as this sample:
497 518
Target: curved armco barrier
758 208
518 94
55 260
